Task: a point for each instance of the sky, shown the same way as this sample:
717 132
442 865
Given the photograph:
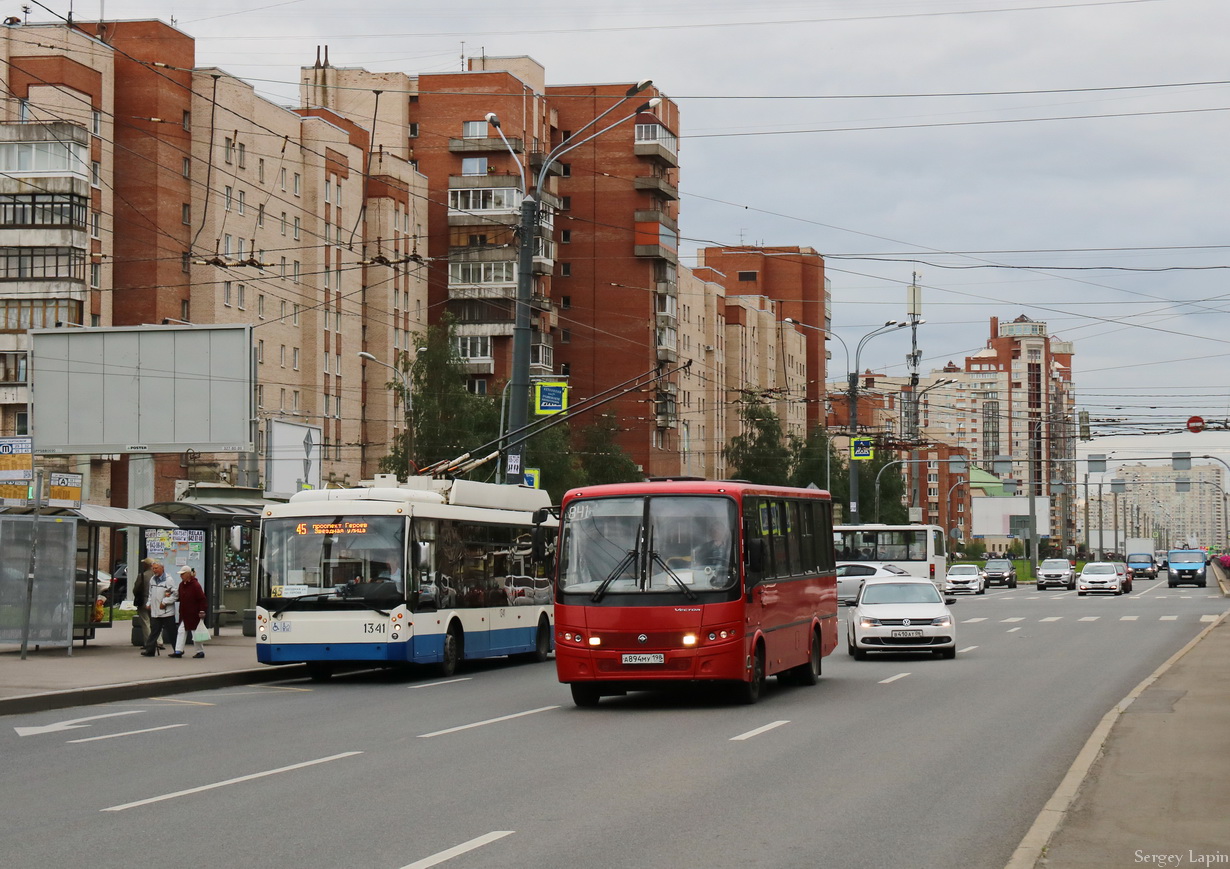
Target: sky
1062 160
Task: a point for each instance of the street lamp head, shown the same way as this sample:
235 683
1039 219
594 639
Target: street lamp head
639 86
650 106
891 323
492 119
363 354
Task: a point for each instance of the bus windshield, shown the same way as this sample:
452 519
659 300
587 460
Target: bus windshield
309 556
651 544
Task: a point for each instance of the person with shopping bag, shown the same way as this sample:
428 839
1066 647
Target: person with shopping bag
191 614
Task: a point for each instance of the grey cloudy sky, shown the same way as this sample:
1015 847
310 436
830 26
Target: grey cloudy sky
1064 160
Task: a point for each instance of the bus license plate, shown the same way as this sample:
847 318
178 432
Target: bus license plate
907 634
643 658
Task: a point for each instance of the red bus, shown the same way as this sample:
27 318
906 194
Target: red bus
693 581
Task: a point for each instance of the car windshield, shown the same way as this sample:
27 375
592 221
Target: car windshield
1099 568
998 565
1187 557
1055 564
1138 558
963 570
900 592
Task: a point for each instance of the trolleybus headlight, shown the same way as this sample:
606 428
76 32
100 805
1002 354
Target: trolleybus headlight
595 641
689 639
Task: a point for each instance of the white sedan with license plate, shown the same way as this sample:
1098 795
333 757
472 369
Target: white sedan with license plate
901 615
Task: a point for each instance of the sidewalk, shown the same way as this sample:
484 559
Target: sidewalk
110 668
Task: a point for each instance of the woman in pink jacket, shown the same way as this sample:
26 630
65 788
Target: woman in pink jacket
191 611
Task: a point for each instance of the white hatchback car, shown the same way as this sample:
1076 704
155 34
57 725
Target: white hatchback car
1100 577
851 574
901 615
965 577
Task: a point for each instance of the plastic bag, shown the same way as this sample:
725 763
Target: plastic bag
200 634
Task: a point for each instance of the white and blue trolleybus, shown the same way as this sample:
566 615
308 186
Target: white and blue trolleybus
420 572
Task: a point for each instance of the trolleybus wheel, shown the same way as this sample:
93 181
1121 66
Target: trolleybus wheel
319 671
542 641
451 652
749 692
585 695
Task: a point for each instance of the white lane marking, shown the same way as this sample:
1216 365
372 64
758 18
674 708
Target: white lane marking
231 781
971 621
1014 619
1088 618
446 682
488 721
126 733
1128 618
757 731
72 724
1168 618
186 702
1010 630
966 649
1209 618
1051 619
458 850
893 678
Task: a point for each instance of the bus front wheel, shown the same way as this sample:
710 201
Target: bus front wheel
451 653
584 695
749 692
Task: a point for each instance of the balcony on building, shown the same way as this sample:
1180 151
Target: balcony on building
656 184
483 200
656 235
542 358
665 410
539 158
480 144
667 343
473 345
658 143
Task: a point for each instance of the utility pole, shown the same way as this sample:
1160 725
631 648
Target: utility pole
913 307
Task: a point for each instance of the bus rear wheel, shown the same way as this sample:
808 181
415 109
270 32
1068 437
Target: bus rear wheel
809 673
585 695
749 692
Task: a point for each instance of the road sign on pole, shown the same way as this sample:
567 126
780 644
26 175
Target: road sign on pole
862 449
1195 424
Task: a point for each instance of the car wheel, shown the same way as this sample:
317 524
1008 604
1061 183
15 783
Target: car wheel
749 692
1072 587
1172 584
1012 584
584 695
982 589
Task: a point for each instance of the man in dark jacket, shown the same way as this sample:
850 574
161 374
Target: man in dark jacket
140 594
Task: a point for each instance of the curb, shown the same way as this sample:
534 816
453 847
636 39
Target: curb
1053 814
27 703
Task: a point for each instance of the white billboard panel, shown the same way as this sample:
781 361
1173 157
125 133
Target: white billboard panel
992 517
292 457
157 389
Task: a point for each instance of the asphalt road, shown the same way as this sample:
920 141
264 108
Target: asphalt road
897 761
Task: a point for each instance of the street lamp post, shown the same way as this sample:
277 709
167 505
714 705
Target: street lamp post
530 208
887 327
407 406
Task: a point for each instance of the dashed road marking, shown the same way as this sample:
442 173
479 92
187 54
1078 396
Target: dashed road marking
971 621
757 731
1168 618
1014 619
893 678
1051 619
1128 618
1088 618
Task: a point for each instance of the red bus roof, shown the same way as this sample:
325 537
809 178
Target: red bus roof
736 488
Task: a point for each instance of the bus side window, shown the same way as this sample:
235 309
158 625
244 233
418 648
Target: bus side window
755 549
807 538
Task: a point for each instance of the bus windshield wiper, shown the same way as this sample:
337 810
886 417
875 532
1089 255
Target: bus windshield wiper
691 595
600 591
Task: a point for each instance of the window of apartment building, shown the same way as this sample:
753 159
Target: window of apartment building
328 190
42 209
186 121
296 234
565 203
96 275
228 197
96 122
298 183
565 170
260 306
17 263
474 166
477 386
226 293
243 156
294 358
241 202
185 214
294 316
284 222
260 350
228 149
18 315
260 215
282 178
184 310
565 236
565 270
748 276
282 268
565 302
325 357
96 174
295 271
566 336
95 225
226 244
240 290
327 281
12 367
565 369
473 346
185 262
282 355
187 167
412 130
473 129
21 420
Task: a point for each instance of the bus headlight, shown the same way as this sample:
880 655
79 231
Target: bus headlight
595 641
689 639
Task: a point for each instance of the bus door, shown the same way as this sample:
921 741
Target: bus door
763 594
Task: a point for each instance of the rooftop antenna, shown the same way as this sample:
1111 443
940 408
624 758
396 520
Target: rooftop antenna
463 55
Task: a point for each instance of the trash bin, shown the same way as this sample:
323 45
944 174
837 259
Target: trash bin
249 623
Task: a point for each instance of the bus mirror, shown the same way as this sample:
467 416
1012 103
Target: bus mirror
420 554
538 549
542 514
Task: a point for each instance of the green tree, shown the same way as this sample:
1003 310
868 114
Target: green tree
892 489
815 459
762 453
975 550
602 459
559 467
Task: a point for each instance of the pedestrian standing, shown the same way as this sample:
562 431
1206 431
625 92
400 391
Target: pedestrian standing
140 596
160 605
191 612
